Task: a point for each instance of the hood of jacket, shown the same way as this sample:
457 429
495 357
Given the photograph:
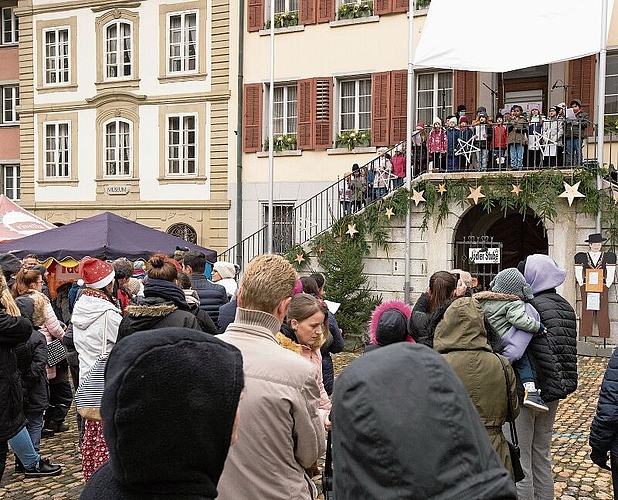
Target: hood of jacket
146 312
384 394
541 272
88 309
389 323
32 306
462 327
168 408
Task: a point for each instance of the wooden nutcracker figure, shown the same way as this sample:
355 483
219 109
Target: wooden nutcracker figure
594 272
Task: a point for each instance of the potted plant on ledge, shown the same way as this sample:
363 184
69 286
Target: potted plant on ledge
353 138
353 10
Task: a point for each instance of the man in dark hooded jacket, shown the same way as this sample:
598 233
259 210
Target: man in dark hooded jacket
160 451
404 427
554 362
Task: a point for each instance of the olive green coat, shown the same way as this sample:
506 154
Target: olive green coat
461 338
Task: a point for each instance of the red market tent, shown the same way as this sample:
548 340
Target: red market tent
15 222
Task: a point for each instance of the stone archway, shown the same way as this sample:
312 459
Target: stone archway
516 235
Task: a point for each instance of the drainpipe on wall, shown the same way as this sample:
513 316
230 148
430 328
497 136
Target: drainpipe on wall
239 123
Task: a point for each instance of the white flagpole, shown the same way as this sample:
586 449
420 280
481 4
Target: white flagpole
409 115
271 145
601 100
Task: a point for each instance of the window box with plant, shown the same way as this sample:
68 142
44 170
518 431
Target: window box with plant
353 10
422 4
282 142
284 20
352 138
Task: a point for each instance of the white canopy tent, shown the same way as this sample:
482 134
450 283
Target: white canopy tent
504 35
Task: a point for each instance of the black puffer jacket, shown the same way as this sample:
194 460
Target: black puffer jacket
212 296
553 356
603 436
32 355
13 331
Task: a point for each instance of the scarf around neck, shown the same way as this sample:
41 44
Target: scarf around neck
166 290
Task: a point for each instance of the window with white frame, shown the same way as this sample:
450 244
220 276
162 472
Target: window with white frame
10 26
118 148
56 56
182 42
355 105
181 144
118 50
10 100
57 149
10 181
434 95
285 110
286 6
611 93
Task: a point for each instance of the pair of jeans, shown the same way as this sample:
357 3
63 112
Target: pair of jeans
523 368
516 153
35 426
573 149
21 444
481 159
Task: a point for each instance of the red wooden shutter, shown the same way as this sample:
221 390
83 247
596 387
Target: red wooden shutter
326 11
380 107
323 109
399 105
465 90
252 118
401 5
255 15
382 7
305 97
581 85
307 12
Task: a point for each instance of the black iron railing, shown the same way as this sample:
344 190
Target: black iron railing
555 144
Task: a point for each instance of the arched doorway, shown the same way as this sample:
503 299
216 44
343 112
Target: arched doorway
486 243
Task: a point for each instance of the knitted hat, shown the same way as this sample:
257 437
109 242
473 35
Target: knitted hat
298 288
10 265
576 101
463 119
420 125
95 272
225 269
511 281
437 120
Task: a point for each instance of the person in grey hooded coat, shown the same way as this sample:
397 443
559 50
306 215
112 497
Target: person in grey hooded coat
405 428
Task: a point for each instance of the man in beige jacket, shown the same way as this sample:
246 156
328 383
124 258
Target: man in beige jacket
280 432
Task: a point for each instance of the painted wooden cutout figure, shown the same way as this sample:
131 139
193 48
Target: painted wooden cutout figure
595 271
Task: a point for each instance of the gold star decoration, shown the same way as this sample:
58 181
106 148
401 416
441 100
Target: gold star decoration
299 258
441 189
351 230
516 189
320 250
571 192
389 212
417 196
475 194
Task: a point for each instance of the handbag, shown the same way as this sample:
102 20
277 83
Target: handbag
515 452
90 392
56 352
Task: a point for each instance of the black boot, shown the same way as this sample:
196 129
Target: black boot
44 468
2 461
19 467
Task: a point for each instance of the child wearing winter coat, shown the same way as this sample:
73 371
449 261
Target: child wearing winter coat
452 144
436 144
504 309
482 139
499 142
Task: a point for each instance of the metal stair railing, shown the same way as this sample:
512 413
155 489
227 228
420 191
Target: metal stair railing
318 213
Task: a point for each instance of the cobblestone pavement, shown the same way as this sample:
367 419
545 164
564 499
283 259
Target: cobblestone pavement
575 475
